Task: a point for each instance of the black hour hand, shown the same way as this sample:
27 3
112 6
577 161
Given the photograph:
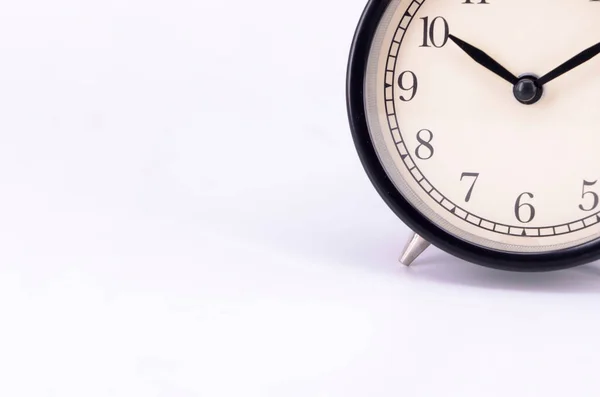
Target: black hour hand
485 60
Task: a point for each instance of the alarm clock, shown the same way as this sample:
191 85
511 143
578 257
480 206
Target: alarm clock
478 123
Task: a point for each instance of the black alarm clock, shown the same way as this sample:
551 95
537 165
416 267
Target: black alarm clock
478 122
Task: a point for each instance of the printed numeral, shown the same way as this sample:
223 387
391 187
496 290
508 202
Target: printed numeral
593 195
470 175
407 81
425 150
437 32
524 212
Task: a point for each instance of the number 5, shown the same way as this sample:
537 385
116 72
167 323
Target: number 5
584 193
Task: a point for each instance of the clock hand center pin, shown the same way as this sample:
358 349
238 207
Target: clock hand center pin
526 88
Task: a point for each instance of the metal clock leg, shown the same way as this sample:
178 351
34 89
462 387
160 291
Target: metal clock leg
415 247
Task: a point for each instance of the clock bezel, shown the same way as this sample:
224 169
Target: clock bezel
527 262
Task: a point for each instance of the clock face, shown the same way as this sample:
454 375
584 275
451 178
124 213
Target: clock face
507 165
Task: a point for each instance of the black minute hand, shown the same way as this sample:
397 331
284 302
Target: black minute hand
485 60
572 63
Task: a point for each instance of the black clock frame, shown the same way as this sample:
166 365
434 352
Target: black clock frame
524 262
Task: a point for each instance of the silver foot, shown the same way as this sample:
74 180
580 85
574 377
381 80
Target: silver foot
415 247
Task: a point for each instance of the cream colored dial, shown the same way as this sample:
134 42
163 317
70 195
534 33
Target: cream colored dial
458 145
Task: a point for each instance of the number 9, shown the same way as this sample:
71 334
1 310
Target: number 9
414 84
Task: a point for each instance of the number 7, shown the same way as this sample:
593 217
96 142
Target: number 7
470 175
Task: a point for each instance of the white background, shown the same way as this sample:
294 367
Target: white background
182 213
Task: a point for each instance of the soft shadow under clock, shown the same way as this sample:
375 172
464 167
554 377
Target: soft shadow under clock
443 268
